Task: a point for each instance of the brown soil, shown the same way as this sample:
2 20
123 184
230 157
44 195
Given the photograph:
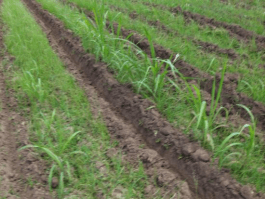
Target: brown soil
156 167
213 48
131 122
22 174
230 97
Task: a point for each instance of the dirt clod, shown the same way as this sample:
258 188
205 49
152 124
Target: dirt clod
55 182
246 192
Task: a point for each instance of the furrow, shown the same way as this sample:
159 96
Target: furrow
205 46
229 98
186 159
156 167
234 29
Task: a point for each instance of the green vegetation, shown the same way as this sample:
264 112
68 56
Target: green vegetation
131 65
62 126
250 19
61 123
247 68
249 5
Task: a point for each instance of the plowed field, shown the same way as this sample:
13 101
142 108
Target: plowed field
132 99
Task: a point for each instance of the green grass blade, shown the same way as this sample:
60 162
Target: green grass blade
201 113
69 140
51 176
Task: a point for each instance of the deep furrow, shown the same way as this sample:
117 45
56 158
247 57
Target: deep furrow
188 160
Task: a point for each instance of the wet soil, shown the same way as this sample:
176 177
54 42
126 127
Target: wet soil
22 174
174 156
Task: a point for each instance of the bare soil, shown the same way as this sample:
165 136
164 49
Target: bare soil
22 174
129 120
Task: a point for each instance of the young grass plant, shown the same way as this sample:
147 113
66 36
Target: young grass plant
130 65
204 121
62 127
247 148
183 43
250 19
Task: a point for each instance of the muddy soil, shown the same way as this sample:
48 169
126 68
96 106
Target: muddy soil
22 174
176 157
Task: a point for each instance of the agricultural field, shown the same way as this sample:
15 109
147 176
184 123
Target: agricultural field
132 99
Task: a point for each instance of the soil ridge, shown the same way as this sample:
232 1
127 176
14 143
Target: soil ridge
229 98
187 158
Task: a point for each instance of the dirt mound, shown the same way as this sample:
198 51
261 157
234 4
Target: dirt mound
187 160
212 48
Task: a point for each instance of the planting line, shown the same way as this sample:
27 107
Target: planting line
229 98
234 29
187 160
156 167
206 46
